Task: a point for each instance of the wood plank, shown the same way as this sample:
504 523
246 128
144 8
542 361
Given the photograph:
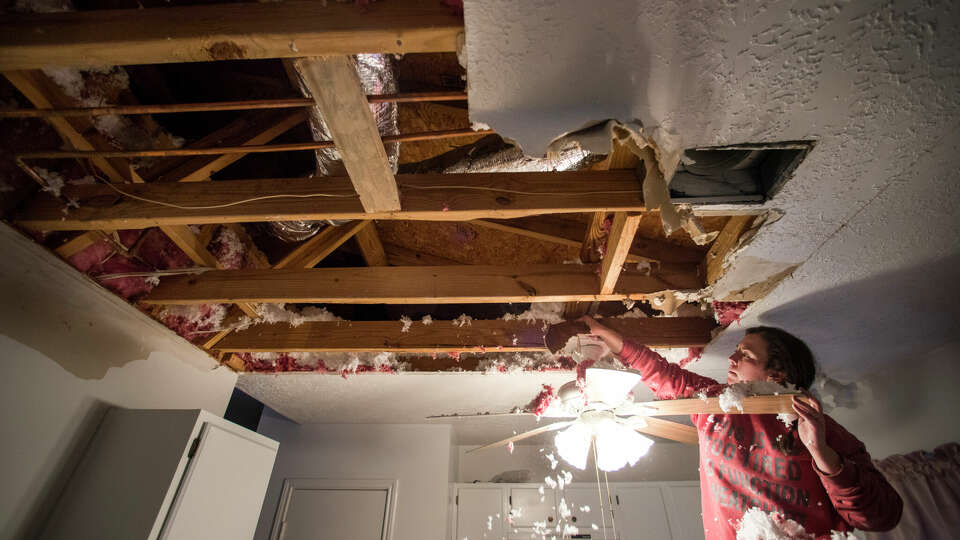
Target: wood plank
434 197
446 337
336 87
775 404
80 243
725 242
413 285
594 238
314 250
670 430
224 32
618 244
370 246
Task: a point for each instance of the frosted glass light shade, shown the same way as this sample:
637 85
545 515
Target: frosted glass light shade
573 444
617 444
610 386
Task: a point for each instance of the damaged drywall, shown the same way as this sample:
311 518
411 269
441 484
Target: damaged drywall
874 83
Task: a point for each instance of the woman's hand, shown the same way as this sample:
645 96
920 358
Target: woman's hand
612 339
812 429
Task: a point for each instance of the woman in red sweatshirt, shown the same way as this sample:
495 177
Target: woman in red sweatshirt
812 471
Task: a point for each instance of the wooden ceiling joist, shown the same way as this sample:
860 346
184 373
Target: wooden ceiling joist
336 87
414 285
433 197
314 250
224 32
447 337
619 240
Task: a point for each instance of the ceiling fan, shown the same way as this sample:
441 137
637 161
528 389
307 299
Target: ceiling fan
598 411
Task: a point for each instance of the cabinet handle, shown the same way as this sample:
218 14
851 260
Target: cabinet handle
574 519
550 519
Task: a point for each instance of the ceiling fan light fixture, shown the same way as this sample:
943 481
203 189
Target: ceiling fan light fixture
573 444
617 445
610 386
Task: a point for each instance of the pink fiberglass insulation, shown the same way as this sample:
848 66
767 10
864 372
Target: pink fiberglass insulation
229 249
693 354
194 323
582 371
157 250
127 287
129 237
91 258
543 400
281 362
728 313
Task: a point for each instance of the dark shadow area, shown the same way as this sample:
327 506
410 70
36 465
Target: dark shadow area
861 327
244 410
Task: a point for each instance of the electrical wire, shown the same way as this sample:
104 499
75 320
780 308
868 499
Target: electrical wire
517 192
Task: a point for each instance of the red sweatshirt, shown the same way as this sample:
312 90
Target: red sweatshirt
749 460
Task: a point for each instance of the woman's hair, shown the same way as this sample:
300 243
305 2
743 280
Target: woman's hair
787 354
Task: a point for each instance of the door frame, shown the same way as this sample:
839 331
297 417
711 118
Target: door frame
291 484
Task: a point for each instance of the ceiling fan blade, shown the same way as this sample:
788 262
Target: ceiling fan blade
479 415
773 404
669 429
525 435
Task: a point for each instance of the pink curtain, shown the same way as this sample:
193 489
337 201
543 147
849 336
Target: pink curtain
929 483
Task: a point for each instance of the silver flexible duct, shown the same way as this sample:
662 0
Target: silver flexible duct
377 76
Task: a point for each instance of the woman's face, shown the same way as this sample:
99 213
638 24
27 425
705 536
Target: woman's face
749 361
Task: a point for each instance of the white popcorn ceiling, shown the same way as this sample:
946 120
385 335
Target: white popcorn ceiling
870 215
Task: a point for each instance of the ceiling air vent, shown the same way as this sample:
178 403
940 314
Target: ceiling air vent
736 173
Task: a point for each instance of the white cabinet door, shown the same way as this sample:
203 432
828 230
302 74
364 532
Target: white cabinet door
480 513
586 510
683 510
641 514
528 506
201 508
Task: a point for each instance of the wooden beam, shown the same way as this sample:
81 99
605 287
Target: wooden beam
669 429
79 243
261 129
370 246
433 197
775 404
336 87
446 337
413 285
224 32
619 240
43 93
725 242
314 250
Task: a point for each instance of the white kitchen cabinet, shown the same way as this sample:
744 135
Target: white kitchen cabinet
643 511
166 474
480 514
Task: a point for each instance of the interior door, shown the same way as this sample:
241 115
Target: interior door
480 514
641 514
335 514
222 488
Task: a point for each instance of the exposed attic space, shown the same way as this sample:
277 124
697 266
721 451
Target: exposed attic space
171 247
488 257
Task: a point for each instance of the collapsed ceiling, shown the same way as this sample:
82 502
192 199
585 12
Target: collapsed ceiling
280 234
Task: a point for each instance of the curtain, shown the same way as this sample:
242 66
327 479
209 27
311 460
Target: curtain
929 483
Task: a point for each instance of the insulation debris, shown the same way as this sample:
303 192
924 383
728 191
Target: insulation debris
335 363
660 152
278 313
229 249
54 181
156 249
543 400
733 395
548 312
463 320
427 320
194 322
407 322
759 525
728 313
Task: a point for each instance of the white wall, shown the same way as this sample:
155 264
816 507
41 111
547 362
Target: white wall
664 462
54 324
418 456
